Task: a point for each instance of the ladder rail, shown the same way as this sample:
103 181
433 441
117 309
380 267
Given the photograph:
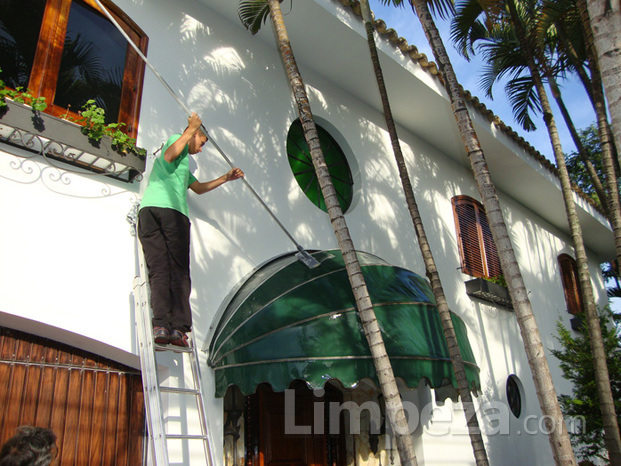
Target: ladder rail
148 364
150 384
198 380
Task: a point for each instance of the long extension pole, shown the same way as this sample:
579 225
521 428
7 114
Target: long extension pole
302 255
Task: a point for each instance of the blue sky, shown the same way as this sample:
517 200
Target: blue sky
404 21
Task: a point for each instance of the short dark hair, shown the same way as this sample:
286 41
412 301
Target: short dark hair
199 130
31 446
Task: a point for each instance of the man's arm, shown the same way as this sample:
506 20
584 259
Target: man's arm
206 186
194 123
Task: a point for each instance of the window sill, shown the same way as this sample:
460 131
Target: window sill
490 292
59 139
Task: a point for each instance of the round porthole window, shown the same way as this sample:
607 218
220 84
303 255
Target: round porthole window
514 396
301 165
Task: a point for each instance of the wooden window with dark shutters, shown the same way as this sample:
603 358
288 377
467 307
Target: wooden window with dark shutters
571 283
94 406
479 256
69 52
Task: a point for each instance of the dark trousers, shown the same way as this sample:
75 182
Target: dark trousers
165 238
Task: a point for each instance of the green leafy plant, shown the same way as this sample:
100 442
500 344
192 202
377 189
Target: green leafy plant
21 95
576 362
499 280
93 119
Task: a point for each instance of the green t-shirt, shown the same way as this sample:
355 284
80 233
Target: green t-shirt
169 182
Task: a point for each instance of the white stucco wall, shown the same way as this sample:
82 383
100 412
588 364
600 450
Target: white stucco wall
67 254
68 259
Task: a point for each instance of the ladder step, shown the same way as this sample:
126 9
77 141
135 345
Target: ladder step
185 437
181 391
173 348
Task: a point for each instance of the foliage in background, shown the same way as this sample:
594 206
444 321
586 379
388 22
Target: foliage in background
578 174
611 277
577 366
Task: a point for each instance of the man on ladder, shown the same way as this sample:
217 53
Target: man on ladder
164 232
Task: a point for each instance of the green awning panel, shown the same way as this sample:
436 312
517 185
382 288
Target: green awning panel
290 322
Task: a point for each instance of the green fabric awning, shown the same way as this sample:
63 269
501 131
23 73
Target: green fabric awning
290 322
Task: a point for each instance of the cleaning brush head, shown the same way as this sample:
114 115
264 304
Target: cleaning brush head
306 259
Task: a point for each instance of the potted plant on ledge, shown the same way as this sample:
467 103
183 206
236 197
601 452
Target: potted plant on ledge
493 290
105 149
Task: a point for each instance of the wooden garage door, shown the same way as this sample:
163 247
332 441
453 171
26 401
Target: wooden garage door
95 406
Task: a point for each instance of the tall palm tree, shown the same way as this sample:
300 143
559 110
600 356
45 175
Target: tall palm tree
520 17
605 22
544 385
559 34
605 133
253 14
575 42
478 446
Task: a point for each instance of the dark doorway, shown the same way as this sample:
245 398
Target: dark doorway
269 441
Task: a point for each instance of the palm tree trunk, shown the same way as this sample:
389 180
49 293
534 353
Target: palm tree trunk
476 439
592 84
600 190
575 59
390 391
609 418
605 19
544 386
605 136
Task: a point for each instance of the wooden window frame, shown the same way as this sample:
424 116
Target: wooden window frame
46 65
478 254
571 284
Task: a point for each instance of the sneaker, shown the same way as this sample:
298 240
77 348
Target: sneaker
161 335
179 338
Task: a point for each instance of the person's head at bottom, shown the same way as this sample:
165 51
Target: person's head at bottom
31 446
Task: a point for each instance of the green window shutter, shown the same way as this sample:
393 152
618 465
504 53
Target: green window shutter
302 168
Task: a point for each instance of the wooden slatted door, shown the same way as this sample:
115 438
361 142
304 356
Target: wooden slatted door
95 406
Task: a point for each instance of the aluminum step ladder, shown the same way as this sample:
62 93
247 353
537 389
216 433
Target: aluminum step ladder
149 352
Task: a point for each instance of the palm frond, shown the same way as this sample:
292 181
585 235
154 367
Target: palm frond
560 28
502 55
494 10
253 14
524 99
550 15
467 27
443 9
397 3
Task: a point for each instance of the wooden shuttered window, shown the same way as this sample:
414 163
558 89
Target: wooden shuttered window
571 283
94 406
479 256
